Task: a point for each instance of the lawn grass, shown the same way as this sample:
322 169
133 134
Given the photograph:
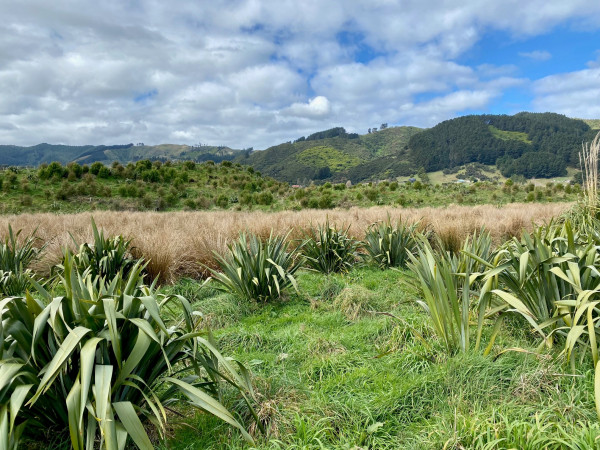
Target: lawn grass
331 373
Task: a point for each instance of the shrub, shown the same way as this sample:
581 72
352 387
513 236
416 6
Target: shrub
257 270
388 245
98 362
222 201
371 194
445 295
264 198
328 249
14 283
15 256
325 202
106 257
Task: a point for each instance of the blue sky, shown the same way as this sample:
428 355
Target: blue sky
253 73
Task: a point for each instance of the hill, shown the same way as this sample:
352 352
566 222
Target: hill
528 144
337 155
534 145
12 155
593 123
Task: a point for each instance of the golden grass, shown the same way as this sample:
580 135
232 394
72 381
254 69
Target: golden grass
179 243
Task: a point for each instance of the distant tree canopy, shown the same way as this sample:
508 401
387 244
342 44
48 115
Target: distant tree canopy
331 133
503 140
533 165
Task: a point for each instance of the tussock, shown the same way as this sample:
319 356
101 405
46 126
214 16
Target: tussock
178 243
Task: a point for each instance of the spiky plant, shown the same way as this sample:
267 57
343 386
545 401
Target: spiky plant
15 258
328 249
101 362
257 270
389 245
446 295
106 257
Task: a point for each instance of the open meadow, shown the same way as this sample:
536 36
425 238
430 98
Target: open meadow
461 327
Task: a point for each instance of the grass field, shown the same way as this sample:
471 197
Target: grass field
345 361
176 243
333 373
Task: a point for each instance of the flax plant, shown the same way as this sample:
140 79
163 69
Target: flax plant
257 270
101 362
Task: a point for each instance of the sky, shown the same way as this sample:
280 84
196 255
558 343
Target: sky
249 73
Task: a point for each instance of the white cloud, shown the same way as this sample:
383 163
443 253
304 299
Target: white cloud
574 94
255 73
315 108
537 55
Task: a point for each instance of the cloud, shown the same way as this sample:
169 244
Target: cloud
254 73
574 94
537 55
315 108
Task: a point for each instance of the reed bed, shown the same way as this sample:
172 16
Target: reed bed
182 243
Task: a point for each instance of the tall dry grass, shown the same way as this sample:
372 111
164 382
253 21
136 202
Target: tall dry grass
178 244
588 159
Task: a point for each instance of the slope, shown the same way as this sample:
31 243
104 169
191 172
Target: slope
343 156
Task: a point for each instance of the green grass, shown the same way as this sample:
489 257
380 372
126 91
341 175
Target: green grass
329 379
509 135
322 156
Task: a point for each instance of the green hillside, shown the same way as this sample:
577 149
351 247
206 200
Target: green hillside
12 155
593 123
338 158
534 145
539 145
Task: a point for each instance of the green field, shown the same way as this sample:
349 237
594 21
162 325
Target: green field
332 374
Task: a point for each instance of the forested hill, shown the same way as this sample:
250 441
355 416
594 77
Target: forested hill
337 155
530 144
86 154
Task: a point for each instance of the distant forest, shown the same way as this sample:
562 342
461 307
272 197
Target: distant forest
528 144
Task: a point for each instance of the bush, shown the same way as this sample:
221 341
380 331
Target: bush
329 250
222 201
445 295
16 256
98 361
256 270
371 194
388 245
325 202
264 198
15 283
106 257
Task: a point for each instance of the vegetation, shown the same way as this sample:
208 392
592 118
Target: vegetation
15 258
105 258
100 360
390 245
338 155
366 357
147 186
526 144
256 270
12 155
328 249
503 140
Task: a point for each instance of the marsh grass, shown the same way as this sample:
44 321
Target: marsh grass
179 244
